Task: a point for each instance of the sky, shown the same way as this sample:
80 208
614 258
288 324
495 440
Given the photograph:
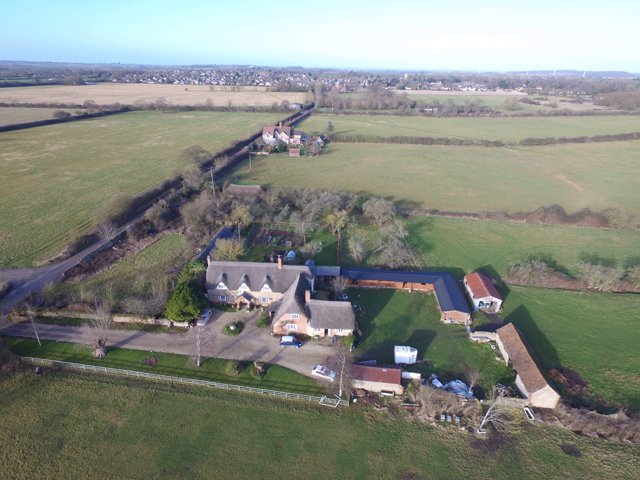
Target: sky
403 35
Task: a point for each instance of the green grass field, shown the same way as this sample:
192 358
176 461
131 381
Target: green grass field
598 175
212 369
391 318
594 334
17 115
467 245
57 180
473 128
98 427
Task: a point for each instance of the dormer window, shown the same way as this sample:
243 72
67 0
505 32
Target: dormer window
295 316
266 288
221 286
243 287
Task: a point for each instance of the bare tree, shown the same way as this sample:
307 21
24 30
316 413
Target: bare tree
500 413
341 362
97 330
241 217
312 248
339 285
106 231
357 247
192 177
379 210
201 338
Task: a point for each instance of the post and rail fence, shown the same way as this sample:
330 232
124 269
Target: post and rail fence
180 380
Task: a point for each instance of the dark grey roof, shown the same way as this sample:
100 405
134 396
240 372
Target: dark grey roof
328 314
234 272
447 291
327 271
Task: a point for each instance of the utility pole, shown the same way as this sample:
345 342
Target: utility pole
33 324
213 186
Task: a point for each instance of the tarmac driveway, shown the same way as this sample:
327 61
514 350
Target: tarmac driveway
253 343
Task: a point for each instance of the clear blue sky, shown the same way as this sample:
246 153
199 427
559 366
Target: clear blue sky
445 35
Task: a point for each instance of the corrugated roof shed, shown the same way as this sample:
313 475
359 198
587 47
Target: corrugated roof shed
375 373
448 293
520 358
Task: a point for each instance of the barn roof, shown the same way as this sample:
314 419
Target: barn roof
481 286
378 374
520 358
448 293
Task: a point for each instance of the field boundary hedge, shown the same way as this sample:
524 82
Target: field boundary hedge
408 140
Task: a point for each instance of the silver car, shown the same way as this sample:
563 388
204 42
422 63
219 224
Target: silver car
323 372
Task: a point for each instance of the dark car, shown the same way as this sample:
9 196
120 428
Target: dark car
290 341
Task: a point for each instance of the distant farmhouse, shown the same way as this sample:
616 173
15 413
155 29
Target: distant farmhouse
285 292
529 379
482 293
451 302
274 135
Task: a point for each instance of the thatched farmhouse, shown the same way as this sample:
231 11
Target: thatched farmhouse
482 292
284 291
451 301
529 379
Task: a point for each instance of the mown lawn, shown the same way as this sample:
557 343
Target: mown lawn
212 369
64 425
594 334
472 128
464 245
596 175
390 318
57 181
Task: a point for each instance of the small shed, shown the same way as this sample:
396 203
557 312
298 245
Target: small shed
482 292
405 355
377 379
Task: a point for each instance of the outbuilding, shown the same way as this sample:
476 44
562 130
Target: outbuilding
377 379
482 292
529 379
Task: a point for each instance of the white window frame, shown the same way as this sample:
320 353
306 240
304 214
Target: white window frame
265 299
291 326
265 288
295 316
243 287
221 286
222 298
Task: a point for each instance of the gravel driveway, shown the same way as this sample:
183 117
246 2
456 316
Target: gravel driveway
253 343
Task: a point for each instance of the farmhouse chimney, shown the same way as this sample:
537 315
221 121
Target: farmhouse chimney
279 262
307 296
280 125
208 260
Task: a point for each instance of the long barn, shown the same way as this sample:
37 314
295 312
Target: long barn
451 301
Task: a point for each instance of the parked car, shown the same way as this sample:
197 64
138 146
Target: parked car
290 341
204 317
323 372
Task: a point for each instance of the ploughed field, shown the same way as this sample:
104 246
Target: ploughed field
105 427
57 180
596 175
140 93
504 129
